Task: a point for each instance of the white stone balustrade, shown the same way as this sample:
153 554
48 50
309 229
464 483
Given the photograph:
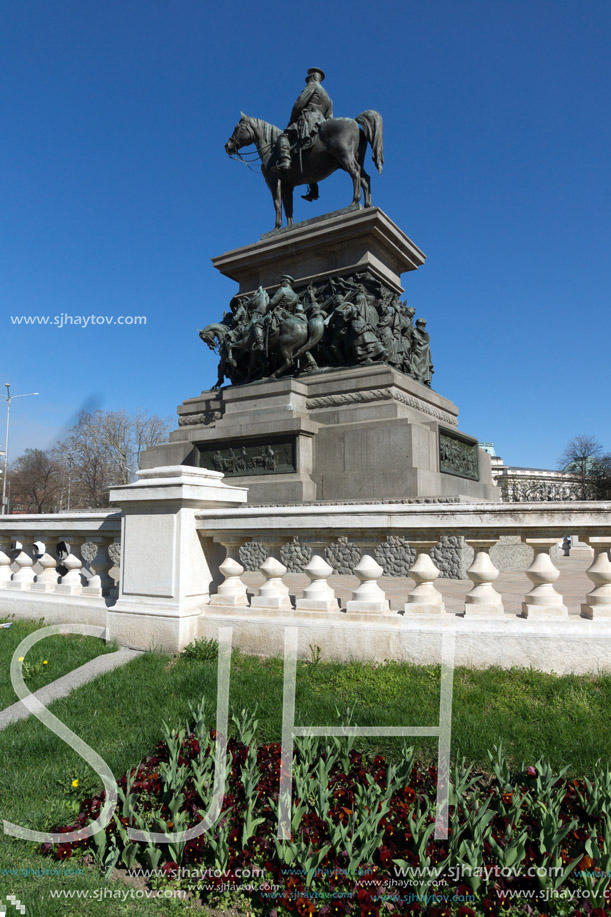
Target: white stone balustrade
368 597
425 598
543 600
598 601
176 585
483 599
318 595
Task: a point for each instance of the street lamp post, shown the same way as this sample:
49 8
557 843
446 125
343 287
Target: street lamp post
8 398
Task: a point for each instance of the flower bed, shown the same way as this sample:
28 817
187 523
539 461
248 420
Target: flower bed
362 831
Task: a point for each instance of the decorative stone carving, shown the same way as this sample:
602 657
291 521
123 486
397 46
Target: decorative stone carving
452 557
543 601
253 555
368 597
114 552
318 595
380 394
295 555
425 598
343 556
395 556
89 551
202 418
458 455
243 458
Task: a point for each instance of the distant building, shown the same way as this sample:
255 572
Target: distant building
531 485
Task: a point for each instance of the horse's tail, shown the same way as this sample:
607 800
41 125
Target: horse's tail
371 122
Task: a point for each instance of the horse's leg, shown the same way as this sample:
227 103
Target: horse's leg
366 186
273 184
287 200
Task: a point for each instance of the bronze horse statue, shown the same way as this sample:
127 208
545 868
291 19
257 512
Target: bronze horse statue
286 341
338 143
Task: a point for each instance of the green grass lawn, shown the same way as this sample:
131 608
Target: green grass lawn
563 719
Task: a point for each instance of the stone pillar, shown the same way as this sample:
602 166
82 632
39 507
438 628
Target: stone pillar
598 601
483 598
165 576
543 601
232 591
424 598
368 597
5 560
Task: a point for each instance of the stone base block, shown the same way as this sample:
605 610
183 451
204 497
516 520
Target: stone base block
18 587
423 608
63 589
595 611
231 601
544 611
483 610
281 602
317 605
43 587
382 607
152 631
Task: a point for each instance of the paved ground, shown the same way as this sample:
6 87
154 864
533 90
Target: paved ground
572 584
67 683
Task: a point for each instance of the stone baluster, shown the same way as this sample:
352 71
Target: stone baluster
542 601
71 583
273 593
425 598
368 597
24 576
232 591
598 601
5 560
100 582
483 599
47 579
318 595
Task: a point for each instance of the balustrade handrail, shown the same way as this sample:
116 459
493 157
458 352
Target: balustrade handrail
57 523
467 519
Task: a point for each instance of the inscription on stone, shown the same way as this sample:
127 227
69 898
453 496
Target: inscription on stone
458 456
239 458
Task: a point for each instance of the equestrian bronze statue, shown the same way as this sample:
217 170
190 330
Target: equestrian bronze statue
312 146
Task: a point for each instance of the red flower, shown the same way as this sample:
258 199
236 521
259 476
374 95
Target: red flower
64 851
466 912
507 798
409 794
489 908
305 907
531 771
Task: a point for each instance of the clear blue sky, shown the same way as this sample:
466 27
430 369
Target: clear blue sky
116 192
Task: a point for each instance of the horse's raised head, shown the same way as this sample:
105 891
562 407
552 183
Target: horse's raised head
242 135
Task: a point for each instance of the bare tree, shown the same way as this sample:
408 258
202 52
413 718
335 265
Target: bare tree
584 456
35 480
104 448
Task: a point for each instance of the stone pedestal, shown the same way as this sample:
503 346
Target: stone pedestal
363 432
360 433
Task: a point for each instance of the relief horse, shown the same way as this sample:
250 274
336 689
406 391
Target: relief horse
338 143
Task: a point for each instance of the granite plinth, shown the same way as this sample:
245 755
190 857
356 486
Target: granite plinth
359 433
341 243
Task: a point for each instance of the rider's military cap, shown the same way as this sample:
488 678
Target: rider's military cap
316 70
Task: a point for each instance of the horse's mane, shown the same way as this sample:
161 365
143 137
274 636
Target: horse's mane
268 132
